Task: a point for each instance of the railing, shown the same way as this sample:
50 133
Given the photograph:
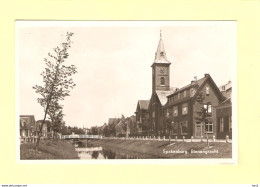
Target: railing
31 139
81 136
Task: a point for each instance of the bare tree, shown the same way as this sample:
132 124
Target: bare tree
56 80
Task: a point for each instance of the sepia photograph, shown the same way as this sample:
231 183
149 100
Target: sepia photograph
126 90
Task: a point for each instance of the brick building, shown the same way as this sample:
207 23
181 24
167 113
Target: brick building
224 112
185 108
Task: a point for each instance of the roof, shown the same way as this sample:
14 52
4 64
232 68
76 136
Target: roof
193 83
226 86
46 121
199 83
162 95
225 103
27 121
160 55
143 104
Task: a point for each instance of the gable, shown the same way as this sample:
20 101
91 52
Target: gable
212 86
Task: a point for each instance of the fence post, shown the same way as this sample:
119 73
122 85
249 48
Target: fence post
191 138
201 138
227 138
163 138
213 138
183 138
175 138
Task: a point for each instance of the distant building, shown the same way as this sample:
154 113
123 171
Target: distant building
142 115
27 125
46 128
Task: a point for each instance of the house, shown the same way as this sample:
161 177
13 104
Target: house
142 115
184 108
46 128
27 125
224 112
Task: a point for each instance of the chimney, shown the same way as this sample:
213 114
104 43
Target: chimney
206 74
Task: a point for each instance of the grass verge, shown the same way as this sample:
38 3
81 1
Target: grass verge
48 149
165 149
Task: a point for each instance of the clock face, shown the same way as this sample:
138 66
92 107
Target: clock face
162 70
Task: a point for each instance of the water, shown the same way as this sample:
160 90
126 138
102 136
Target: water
88 151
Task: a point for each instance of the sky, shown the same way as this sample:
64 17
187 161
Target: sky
114 59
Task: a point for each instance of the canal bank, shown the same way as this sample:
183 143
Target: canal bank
48 149
146 149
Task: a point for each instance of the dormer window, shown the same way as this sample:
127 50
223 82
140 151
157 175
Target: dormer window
184 93
162 81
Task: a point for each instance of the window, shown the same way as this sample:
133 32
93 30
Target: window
167 112
179 95
208 108
162 81
230 123
184 93
175 111
209 127
184 127
207 90
184 108
221 124
153 114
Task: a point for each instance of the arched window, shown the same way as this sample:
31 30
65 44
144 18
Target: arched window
162 81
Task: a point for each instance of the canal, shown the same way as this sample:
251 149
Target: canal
86 150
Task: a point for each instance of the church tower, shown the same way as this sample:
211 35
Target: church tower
161 69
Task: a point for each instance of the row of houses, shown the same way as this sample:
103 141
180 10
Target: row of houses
30 128
181 105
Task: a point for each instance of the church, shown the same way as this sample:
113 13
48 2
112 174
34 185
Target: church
181 105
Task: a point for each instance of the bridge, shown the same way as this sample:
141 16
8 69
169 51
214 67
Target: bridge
80 136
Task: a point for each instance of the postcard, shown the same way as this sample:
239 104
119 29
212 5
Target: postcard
131 92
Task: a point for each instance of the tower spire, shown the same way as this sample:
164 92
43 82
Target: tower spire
160 55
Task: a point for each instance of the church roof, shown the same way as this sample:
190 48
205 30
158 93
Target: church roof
160 55
143 104
162 95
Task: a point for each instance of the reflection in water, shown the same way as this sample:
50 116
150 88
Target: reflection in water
90 152
95 154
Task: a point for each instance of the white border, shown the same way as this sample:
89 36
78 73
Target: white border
233 160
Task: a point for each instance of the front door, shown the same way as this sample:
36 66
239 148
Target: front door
198 130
